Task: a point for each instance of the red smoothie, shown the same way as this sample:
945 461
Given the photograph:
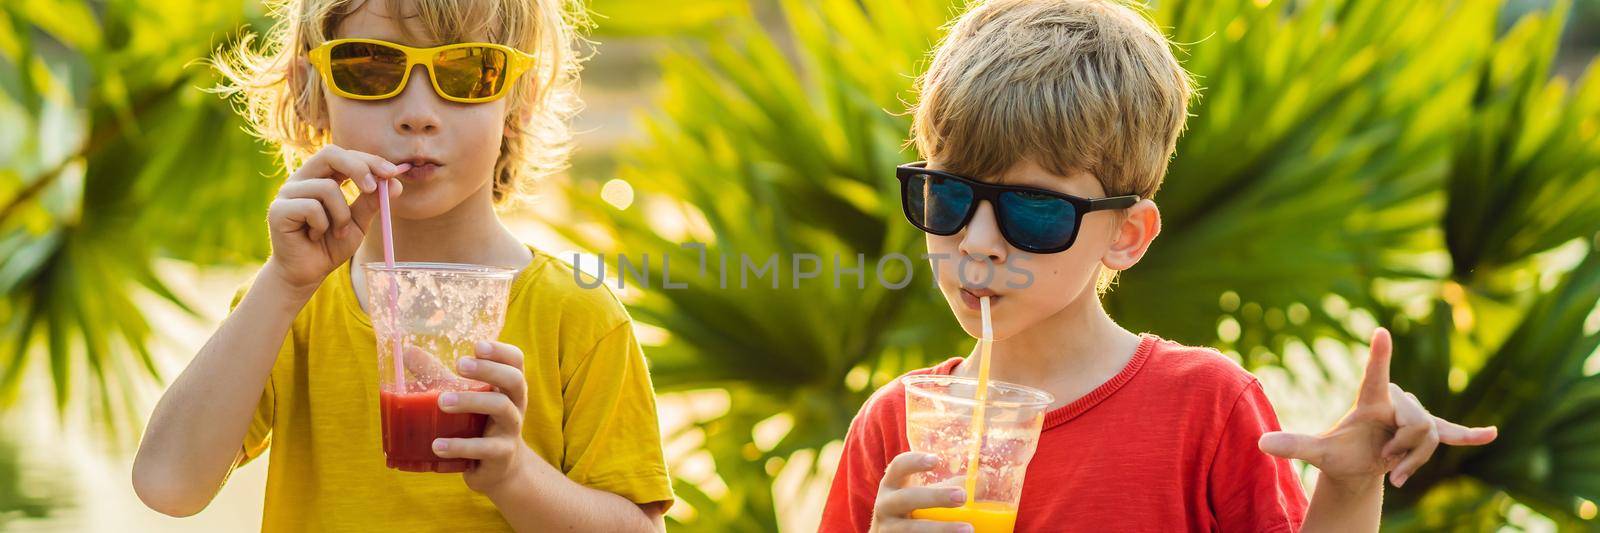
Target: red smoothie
412 420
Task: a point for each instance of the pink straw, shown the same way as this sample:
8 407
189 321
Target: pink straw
394 295
388 227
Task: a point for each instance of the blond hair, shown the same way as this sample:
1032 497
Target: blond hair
281 97
1072 85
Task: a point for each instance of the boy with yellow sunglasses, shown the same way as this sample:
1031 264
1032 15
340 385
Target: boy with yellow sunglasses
572 442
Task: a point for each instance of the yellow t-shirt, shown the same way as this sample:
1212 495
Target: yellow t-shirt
591 412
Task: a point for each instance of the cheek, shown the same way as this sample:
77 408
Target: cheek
350 123
1051 272
481 130
1060 274
943 244
482 121
1098 230
948 249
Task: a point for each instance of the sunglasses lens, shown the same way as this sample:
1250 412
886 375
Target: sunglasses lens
1037 221
366 69
471 72
935 204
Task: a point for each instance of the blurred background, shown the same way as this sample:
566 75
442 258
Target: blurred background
1431 166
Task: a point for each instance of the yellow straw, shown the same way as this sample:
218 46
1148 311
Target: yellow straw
985 343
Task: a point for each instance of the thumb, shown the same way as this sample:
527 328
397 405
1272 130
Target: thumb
365 208
1292 446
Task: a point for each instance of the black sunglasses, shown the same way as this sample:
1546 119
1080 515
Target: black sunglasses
1034 220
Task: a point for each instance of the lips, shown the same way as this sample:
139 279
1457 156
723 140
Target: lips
971 296
979 292
422 168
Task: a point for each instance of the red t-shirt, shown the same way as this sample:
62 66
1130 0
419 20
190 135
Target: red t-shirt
1168 444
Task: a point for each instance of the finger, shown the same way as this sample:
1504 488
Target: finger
1408 410
1414 459
325 191
1416 439
499 351
340 164
494 404
367 205
1292 446
1390 462
901 502
1412 422
507 378
363 209
929 526
1375 379
1458 435
395 185
903 465
290 215
1405 440
481 448
425 366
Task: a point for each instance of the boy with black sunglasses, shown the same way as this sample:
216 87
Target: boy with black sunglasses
1048 125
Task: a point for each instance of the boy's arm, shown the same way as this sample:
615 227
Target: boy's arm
1345 506
540 498
859 476
197 431
194 436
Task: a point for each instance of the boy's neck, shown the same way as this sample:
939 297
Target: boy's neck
1068 354
470 232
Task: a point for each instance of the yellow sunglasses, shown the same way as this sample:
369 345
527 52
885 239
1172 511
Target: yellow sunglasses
370 69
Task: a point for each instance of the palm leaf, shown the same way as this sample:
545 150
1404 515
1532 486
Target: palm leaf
113 176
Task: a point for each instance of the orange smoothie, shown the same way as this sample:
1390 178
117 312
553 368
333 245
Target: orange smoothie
985 517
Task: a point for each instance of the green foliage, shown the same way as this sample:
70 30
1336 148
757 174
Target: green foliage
1314 156
112 158
1522 181
1526 168
1347 158
20 498
634 18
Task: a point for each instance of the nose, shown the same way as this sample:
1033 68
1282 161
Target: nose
418 111
982 240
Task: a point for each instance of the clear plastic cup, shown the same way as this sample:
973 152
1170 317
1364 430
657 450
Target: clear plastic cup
434 314
939 412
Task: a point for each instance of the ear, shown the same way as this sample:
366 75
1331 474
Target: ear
1137 228
301 71
520 116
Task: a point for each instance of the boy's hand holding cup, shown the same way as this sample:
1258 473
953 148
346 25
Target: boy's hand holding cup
896 500
500 452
